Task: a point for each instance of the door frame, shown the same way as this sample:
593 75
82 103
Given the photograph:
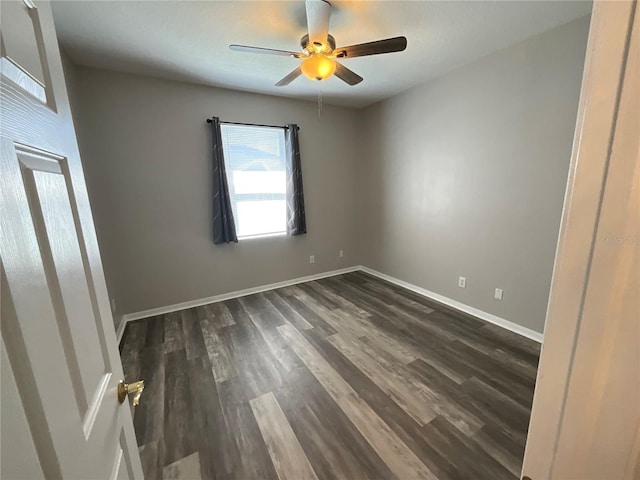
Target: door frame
604 70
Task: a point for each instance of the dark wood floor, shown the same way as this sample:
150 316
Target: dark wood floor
347 377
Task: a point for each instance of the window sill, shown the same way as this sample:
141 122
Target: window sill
262 235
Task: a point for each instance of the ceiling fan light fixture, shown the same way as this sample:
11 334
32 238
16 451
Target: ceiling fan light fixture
318 67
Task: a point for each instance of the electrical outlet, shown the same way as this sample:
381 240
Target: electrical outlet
312 259
341 253
462 282
498 294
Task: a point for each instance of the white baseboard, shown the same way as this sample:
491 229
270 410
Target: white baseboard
488 317
120 329
225 296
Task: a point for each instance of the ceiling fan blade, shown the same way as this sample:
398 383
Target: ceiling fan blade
290 78
318 15
346 75
388 45
268 51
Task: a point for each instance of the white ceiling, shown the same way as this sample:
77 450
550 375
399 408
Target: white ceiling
188 40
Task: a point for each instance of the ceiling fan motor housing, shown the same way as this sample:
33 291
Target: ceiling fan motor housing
317 47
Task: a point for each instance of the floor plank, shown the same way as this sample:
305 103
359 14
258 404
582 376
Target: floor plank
217 350
465 454
288 313
334 446
187 468
178 434
400 459
192 334
398 387
253 461
214 439
151 460
402 424
266 318
148 419
173 333
287 455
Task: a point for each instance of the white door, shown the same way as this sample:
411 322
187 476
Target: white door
585 421
61 417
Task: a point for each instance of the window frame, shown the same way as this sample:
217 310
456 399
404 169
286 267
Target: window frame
236 197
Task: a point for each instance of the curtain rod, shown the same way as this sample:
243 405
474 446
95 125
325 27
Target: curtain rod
251 124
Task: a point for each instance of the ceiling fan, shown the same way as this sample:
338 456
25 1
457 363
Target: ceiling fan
319 49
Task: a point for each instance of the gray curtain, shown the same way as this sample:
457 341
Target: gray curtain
224 228
296 220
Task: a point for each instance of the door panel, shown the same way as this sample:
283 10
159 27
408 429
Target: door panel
19 36
23 58
56 323
121 468
19 456
54 222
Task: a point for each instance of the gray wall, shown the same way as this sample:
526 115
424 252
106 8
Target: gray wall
145 149
465 176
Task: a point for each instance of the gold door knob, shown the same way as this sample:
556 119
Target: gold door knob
134 389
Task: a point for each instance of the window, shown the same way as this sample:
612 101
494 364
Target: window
255 161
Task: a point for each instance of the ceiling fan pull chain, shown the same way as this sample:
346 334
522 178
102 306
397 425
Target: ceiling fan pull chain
319 98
